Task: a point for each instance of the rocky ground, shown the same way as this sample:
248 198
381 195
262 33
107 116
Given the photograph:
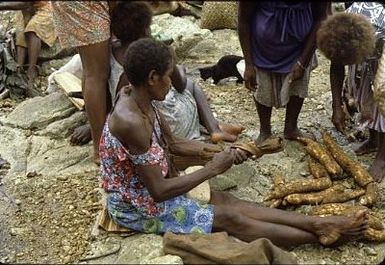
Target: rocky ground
49 195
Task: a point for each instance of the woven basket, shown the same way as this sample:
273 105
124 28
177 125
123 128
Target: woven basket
219 15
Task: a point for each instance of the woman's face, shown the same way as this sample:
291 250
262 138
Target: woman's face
162 84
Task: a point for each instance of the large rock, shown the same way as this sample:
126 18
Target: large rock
38 112
52 157
185 33
13 148
62 128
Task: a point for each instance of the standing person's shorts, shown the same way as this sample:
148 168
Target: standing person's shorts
41 23
80 23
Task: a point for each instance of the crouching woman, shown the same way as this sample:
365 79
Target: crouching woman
144 195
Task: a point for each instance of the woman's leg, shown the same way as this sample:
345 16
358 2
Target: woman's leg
96 67
248 229
293 109
377 169
206 116
264 114
34 48
327 229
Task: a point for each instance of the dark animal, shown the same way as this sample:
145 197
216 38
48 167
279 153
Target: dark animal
225 67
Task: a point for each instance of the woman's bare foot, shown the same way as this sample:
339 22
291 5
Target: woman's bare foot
294 134
377 169
368 146
81 135
234 129
223 136
339 228
262 137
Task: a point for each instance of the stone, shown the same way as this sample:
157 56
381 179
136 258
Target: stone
13 148
42 111
51 157
167 259
62 128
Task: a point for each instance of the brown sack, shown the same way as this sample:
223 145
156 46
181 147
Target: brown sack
219 15
219 248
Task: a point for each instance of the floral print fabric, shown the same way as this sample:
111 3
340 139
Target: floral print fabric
130 204
80 23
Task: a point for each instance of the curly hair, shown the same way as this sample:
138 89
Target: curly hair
131 20
346 38
144 55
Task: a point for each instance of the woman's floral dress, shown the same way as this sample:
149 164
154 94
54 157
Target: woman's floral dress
129 202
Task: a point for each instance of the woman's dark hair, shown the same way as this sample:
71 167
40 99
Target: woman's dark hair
131 20
346 38
143 56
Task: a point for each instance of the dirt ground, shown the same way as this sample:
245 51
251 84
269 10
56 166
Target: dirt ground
49 220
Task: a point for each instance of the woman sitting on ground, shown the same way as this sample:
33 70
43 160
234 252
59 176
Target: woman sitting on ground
186 105
143 192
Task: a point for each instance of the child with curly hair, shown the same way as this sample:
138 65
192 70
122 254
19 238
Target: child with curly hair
350 39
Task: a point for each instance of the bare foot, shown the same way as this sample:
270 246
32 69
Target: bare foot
377 169
234 129
223 136
262 137
81 135
368 146
293 135
339 228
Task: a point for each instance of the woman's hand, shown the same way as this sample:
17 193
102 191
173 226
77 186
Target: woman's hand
297 72
222 161
338 118
250 77
240 156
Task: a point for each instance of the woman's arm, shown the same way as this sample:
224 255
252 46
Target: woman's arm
245 13
337 76
320 12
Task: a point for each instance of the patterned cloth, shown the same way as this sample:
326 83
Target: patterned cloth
361 76
130 204
41 22
80 23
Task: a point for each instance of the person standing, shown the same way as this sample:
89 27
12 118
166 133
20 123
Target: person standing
278 42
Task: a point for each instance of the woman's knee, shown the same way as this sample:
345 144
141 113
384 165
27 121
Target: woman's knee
225 217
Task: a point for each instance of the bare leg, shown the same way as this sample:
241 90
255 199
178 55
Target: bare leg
293 109
327 230
206 115
21 53
370 145
34 48
96 67
377 169
247 229
264 114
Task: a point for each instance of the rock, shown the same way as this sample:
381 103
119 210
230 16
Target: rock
18 202
370 251
221 183
13 148
62 128
31 174
167 259
62 177
54 157
42 111
140 247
